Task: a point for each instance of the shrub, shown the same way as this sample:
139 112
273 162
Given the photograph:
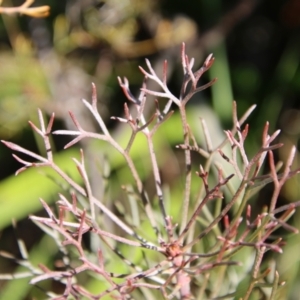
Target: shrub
216 247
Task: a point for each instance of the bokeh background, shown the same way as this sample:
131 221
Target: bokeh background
50 63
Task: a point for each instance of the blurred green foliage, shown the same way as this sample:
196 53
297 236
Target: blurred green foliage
50 63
